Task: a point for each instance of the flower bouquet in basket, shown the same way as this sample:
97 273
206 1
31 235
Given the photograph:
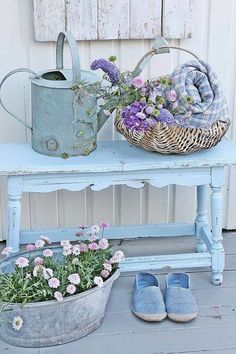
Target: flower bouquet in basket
181 112
52 295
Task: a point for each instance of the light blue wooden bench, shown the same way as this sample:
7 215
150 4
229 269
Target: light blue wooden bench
118 163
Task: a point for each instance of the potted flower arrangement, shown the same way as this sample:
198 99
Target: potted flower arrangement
53 295
175 113
141 104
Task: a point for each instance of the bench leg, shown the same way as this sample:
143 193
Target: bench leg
201 219
14 190
217 249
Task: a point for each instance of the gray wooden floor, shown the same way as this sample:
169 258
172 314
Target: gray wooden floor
213 331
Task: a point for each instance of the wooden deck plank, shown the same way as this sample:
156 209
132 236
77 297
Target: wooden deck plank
213 296
126 322
198 281
175 341
213 331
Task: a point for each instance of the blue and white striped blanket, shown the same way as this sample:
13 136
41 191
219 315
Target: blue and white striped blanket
197 79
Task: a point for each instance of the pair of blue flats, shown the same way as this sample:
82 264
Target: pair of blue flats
148 302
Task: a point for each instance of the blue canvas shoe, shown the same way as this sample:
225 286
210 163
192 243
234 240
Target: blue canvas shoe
180 303
148 303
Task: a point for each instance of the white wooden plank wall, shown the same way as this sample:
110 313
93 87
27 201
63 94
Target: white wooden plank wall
213 39
112 19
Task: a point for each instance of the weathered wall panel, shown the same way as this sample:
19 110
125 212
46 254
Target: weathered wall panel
177 19
112 19
81 18
49 19
145 18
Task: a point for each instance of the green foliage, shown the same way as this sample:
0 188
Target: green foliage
22 286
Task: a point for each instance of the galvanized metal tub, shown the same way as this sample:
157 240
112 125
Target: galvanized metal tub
51 323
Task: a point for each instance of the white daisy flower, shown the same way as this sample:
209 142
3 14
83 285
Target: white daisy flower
98 281
95 229
39 244
17 323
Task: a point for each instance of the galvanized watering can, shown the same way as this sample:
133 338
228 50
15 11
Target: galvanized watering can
65 120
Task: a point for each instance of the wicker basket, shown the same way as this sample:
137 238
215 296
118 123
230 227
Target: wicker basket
170 139
174 139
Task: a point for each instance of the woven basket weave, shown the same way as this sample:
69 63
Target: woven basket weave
173 139
164 138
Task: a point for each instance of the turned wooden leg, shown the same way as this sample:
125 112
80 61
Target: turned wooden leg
14 190
217 249
201 218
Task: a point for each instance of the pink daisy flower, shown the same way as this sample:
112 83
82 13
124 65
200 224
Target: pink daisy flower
54 283
67 251
39 244
58 296
171 95
83 247
74 278
48 253
93 246
92 237
107 266
45 239
65 243
103 243
95 229
38 261
71 289
105 273
138 82
115 259
30 247
76 250
22 262
104 224
47 273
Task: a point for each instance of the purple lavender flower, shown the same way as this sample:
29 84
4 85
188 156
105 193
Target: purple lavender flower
171 95
108 67
149 110
141 115
166 117
131 119
151 122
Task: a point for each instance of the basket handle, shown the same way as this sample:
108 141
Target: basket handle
73 51
160 47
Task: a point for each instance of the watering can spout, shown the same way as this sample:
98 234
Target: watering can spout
102 118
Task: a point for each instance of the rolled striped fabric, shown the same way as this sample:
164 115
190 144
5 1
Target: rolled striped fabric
197 81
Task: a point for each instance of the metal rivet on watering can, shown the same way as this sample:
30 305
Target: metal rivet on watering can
51 144
58 110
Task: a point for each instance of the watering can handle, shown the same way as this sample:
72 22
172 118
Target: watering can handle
74 54
1 84
160 46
